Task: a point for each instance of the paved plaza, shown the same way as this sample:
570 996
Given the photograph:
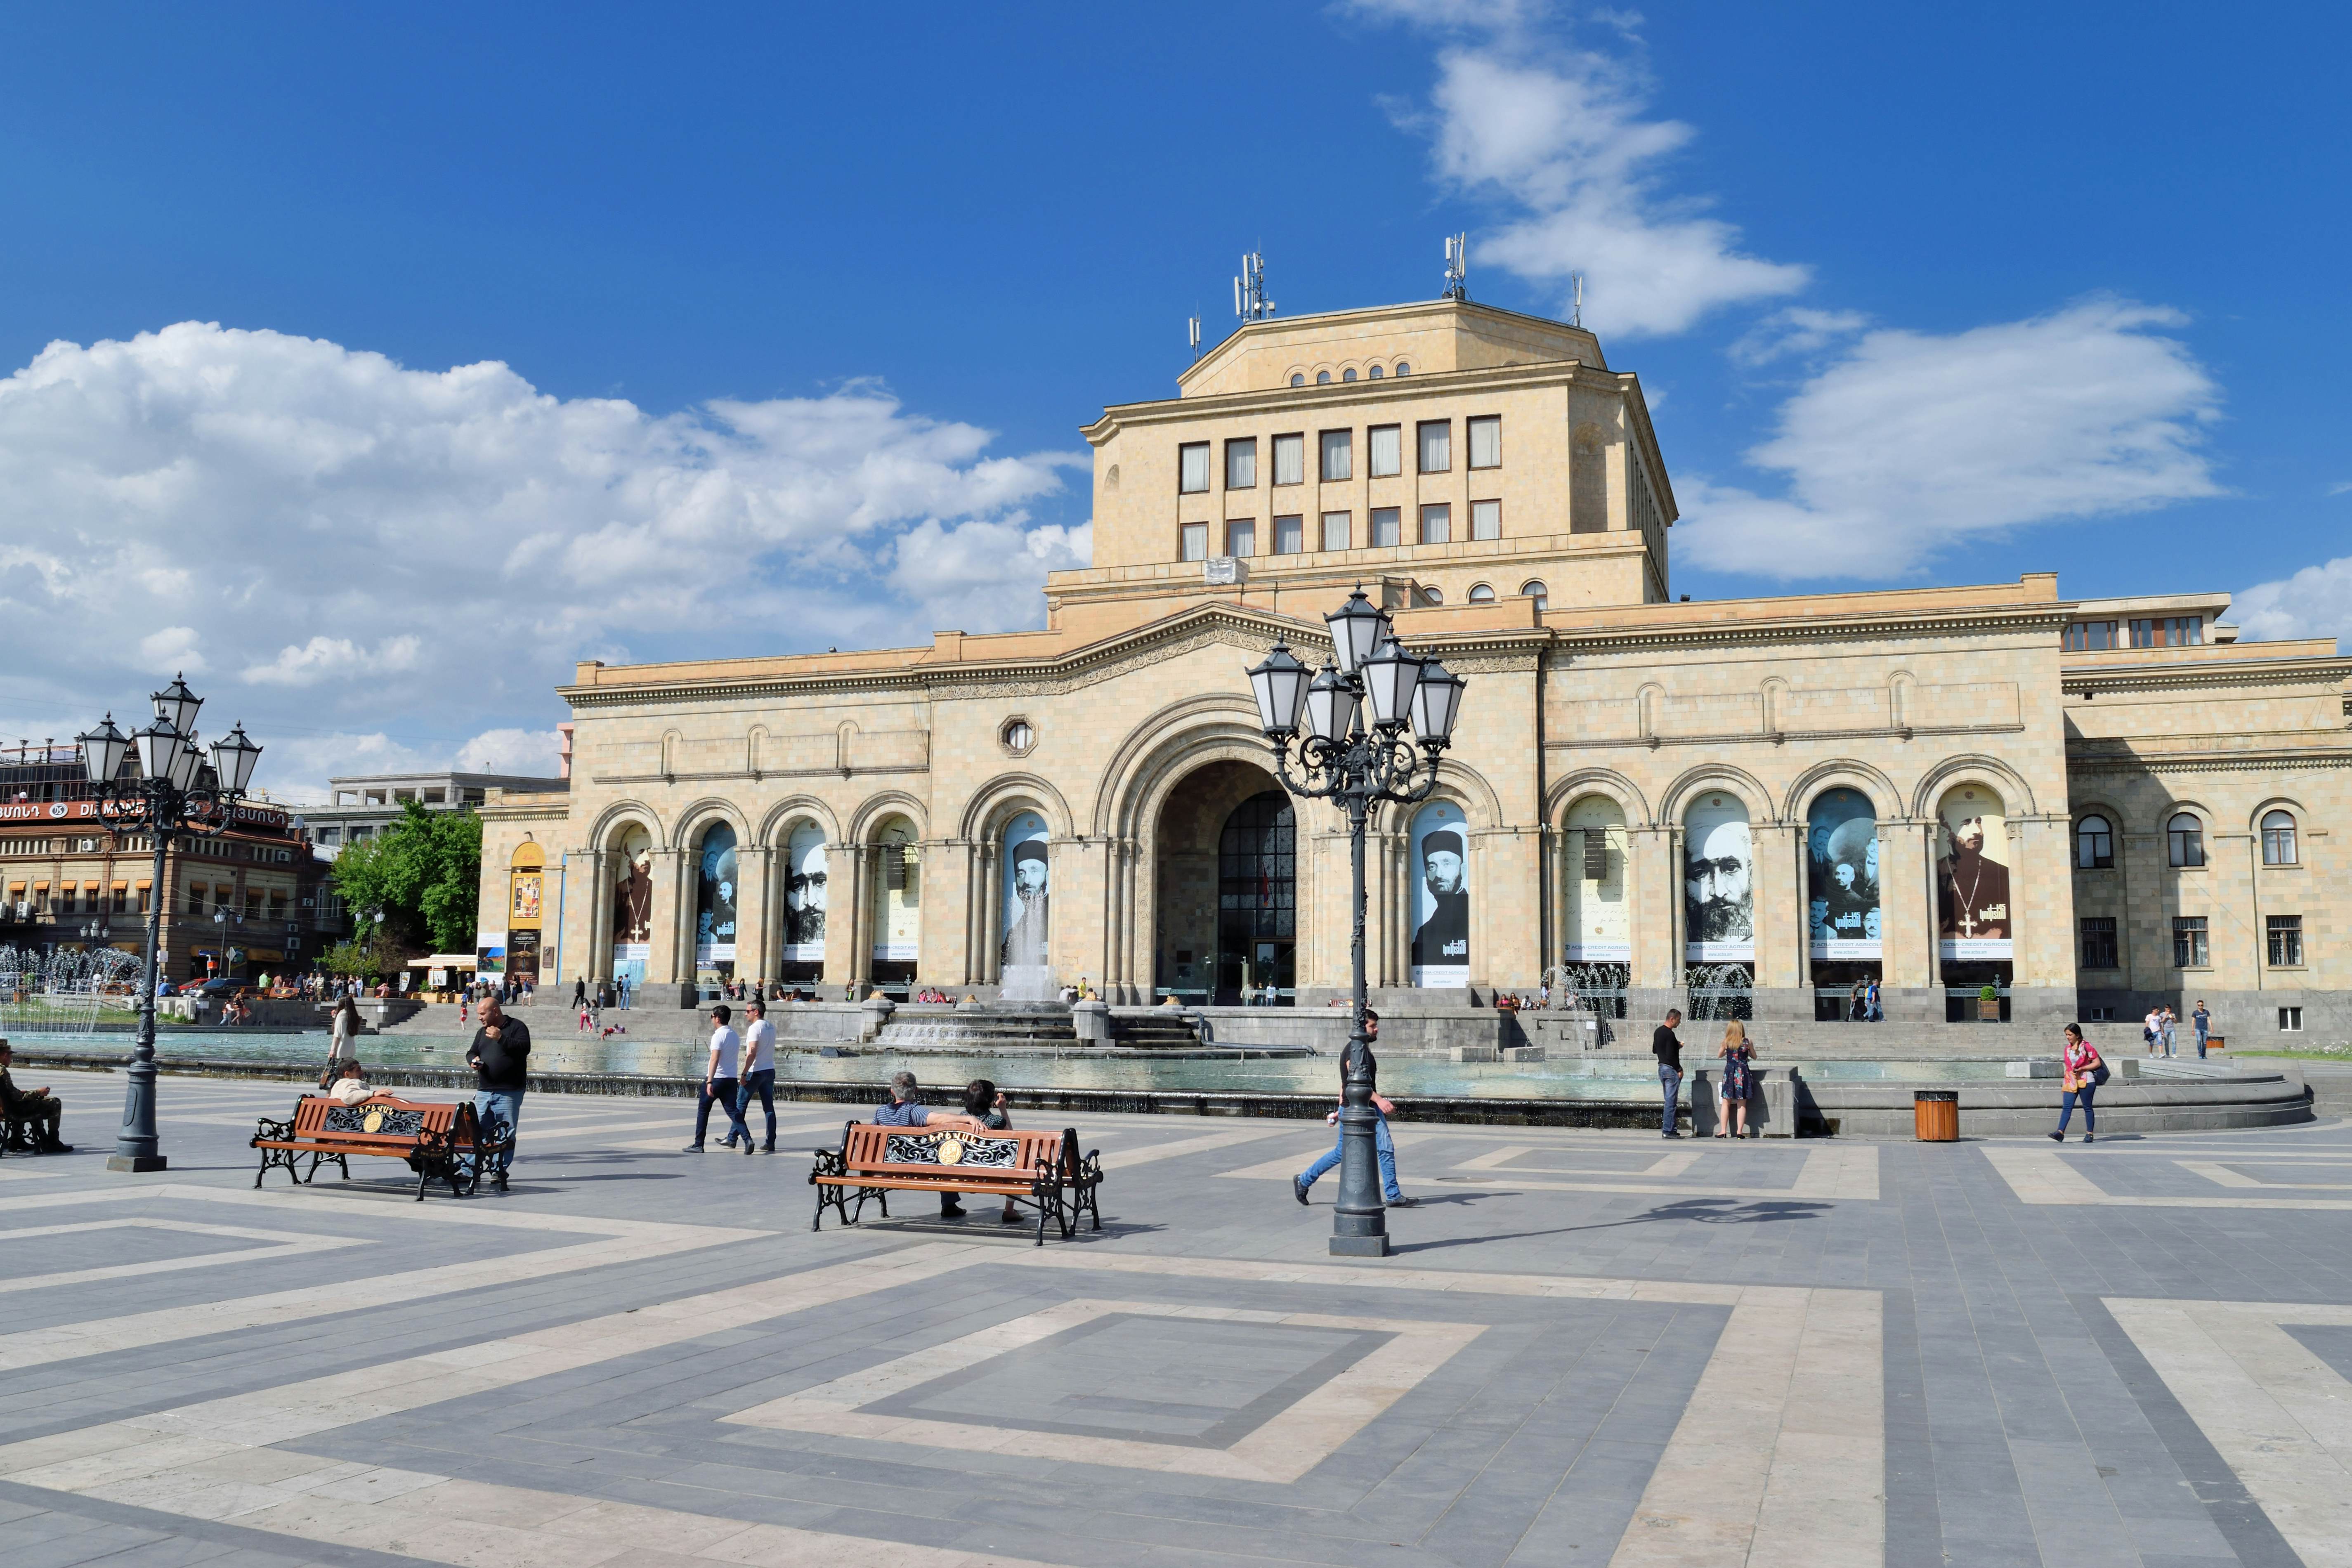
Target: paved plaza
1590 1348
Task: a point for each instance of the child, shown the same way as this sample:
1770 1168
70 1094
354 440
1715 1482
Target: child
985 1105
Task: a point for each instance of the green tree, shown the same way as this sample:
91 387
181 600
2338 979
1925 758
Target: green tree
418 880
378 956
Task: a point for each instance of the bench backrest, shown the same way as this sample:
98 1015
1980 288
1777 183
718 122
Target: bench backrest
935 1151
383 1120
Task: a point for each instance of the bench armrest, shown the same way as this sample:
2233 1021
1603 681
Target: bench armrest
265 1128
829 1162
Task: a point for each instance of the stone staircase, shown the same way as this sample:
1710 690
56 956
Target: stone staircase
1164 1029
998 1027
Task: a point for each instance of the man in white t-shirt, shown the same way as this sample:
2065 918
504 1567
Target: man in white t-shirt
719 1082
758 1075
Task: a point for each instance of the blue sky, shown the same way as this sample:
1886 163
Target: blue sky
799 313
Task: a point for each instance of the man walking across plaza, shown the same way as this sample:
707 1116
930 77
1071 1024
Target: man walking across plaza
758 1075
1668 1049
1383 1144
501 1056
2204 1021
721 1080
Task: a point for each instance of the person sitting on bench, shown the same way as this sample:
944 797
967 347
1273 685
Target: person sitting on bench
903 1109
36 1106
350 1085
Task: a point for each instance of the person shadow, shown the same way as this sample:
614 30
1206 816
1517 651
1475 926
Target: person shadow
1700 1211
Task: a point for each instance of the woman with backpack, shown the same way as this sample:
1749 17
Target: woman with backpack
2086 1071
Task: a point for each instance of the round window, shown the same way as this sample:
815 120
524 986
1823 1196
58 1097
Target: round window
1018 736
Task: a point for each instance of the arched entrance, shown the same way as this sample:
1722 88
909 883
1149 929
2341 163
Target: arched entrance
1225 875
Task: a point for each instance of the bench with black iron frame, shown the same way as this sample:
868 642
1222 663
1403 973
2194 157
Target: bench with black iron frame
440 1141
1043 1171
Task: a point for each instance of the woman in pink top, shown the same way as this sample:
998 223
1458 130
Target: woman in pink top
2084 1075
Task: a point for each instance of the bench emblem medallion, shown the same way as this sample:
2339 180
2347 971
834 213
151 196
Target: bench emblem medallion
947 1149
375 1119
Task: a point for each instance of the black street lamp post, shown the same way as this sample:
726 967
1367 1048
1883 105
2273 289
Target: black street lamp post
173 792
1354 751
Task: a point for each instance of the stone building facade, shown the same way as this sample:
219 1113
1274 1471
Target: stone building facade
1777 796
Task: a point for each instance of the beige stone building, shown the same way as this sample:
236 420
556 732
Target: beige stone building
2087 805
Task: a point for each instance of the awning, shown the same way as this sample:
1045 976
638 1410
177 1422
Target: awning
444 961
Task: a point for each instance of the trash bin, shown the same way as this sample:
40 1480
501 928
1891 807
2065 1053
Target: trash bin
1936 1115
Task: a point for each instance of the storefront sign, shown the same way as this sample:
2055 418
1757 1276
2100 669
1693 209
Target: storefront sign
1965 951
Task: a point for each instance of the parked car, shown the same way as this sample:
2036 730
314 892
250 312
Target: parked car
219 985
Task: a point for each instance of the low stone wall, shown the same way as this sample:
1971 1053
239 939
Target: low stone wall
2023 1107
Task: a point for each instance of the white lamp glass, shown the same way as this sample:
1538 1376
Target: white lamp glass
1279 684
1330 706
1358 627
102 750
159 744
176 705
1390 676
1436 703
232 759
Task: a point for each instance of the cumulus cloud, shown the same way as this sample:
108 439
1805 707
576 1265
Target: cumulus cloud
529 752
1795 332
1562 139
1909 443
336 537
2317 601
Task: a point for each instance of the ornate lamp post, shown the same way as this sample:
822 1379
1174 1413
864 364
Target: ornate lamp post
171 793
1354 751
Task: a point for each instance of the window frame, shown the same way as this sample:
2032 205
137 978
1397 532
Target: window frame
1395 518
1241 528
1184 537
1541 593
2099 939
1480 594
1293 443
2196 952
2184 847
2276 839
1297 522
1208 464
1492 508
1347 448
2100 859
1347 530
1421 432
1443 515
2283 941
1240 450
1373 435
2079 637
1470 430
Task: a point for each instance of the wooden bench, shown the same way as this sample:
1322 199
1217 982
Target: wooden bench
440 1141
1042 1170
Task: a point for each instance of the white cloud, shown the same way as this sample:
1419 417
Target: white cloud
2317 601
1795 331
971 570
1911 443
1559 136
353 538
174 647
530 752
2343 488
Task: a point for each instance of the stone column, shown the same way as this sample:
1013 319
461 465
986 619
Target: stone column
1907 903
755 941
1653 891
869 882
594 952
1783 931
673 912
843 896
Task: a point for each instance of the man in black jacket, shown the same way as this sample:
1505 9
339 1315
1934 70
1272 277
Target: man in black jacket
1668 1049
501 1056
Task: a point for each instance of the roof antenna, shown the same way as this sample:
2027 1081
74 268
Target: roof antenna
1192 330
1577 318
1457 267
1249 303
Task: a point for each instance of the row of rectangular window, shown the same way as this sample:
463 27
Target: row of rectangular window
2150 631
1337 531
94 901
2190 942
1336 455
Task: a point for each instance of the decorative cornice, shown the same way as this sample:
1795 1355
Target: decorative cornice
1781 737
2212 762
2332 672
1878 625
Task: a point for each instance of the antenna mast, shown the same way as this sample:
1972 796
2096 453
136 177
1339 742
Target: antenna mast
1249 303
1192 330
1577 318
1458 266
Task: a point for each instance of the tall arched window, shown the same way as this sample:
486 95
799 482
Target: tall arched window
2187 839
2094 843
2278 839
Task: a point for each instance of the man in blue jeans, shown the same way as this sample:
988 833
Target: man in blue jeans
1668 1049
1382 1144
501 1056
2204 1021
759 1076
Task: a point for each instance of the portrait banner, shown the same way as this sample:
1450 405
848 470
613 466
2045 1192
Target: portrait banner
714 902
527 890
1027 953
1718 882
805 876
1597 927
1843 914
633 889
1440 910
1972 918
898 883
